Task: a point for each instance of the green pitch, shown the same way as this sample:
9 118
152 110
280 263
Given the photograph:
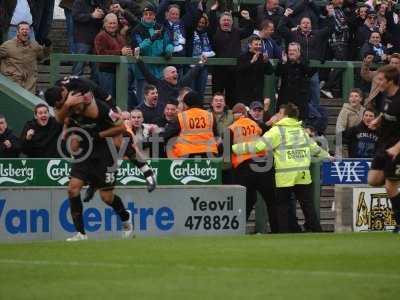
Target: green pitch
308 266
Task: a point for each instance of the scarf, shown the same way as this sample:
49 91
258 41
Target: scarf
201 44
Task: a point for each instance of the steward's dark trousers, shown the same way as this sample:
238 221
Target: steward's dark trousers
264 183
302 193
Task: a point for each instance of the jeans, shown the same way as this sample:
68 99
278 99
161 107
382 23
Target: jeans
314 89
78 67
12 33
70 31
107 82
200 83
339 53
44 15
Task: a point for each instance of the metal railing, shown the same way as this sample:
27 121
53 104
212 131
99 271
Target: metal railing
123 61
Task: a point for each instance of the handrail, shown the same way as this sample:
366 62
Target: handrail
123 61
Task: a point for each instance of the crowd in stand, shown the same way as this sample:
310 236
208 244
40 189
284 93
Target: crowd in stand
163 98
293 32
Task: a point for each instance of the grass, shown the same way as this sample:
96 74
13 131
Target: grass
307 266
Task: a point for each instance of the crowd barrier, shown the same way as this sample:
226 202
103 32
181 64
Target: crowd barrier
123 61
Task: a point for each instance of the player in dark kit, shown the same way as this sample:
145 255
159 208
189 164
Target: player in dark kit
385 168
88 116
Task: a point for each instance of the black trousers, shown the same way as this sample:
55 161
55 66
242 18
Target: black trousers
262 182
224 81
302 193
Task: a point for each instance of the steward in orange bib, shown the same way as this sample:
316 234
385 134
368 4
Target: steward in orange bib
251 170
195 131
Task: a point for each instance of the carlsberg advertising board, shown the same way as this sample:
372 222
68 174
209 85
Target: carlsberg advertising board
55 172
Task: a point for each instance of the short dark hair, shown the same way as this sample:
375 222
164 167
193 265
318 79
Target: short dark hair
266 23
370 110
172 101
2 116
357 91
254 38
22 23
291 110
149 88
219 94
53 95
40 105
391 73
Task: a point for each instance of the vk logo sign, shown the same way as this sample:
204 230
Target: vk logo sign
347 171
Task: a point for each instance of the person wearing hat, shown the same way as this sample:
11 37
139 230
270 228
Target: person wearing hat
195 131
256 113
251 170
364 31
153 41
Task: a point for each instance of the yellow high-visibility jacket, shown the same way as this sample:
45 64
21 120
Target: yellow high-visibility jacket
292 148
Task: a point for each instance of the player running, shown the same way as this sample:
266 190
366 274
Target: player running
385 168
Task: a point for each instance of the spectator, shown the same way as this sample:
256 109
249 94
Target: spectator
252 66
256 113
10 145
142 132
223 117
338 45
170 114
169 86
19 58
222 114
152 41
150 107
110 42
272 12
43 20
126 16
374 47
312 43
168 16
169 119
303 9
227 44
66 5
352 112
199 44
360 139
295 80
370 25
393 26
88 16
14 12
196 131
269 45
40 136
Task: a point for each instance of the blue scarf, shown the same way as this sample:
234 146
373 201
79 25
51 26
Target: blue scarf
201 45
